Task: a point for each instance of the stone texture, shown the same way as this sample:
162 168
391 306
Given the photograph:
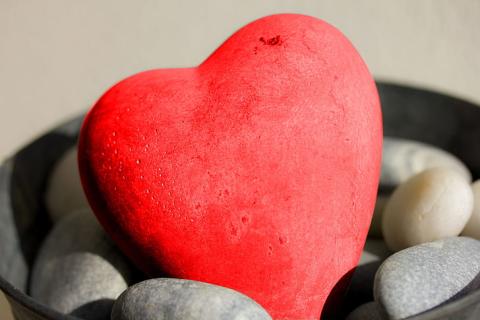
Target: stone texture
472 229
176 299
64 192
402 159
367 311
423 277
432 205
78 270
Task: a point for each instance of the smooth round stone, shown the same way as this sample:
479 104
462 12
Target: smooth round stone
367 311
78 270
64 193
176 299
376 224
423 277
402 159
432 205
472 229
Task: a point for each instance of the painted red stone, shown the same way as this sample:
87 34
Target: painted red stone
256 170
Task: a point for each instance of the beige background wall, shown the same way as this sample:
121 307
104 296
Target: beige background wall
57 56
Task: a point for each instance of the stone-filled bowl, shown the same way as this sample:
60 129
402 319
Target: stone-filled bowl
434 118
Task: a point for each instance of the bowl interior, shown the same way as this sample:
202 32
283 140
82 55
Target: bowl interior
449 123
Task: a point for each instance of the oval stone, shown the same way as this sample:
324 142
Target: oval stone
423 277
78 270
402 159
64 193
176 299
432 205
472 229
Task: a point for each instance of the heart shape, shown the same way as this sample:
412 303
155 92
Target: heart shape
256 170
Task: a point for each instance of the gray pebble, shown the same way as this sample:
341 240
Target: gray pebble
431 205
425 276
402 159
367 311
176 299
78 270
64 193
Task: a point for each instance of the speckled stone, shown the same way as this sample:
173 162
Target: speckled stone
402 159
472 229
431 205
64 193
423 277
176 299
367 311
78 270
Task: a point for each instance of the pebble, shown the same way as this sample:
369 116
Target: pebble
376 224
472 229
78 270
402 159
367 311
423 277
64 193
176 299
432 205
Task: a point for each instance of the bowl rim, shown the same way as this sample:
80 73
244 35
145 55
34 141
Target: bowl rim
29 303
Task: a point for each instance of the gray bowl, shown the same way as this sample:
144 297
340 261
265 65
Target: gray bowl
434 118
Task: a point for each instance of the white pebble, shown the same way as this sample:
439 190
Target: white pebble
64 192
402 159
472 229
432 205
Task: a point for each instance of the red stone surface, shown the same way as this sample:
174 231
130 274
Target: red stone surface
256 170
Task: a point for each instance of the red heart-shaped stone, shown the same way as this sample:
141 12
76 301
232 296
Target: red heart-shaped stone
256 170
